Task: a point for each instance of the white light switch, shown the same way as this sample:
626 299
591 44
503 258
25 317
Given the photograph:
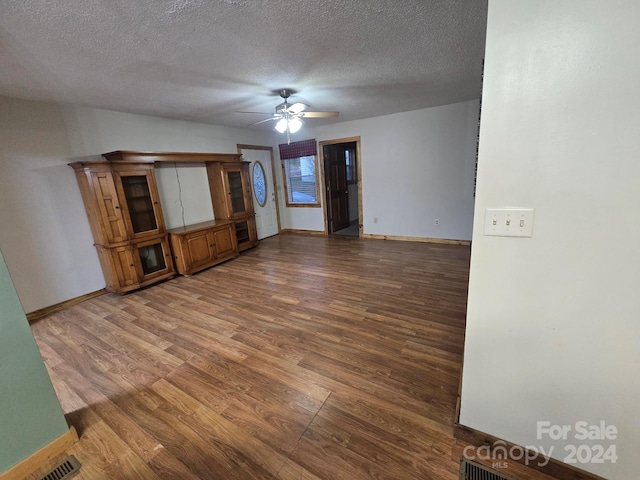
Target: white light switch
508 222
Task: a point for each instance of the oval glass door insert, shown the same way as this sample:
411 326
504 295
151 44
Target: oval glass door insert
259 184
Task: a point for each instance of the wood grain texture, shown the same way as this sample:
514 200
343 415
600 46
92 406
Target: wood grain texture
126 156
306 358
202 245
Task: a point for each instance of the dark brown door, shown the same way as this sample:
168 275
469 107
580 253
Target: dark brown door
335 169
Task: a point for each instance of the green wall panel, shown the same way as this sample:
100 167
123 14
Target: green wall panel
30 414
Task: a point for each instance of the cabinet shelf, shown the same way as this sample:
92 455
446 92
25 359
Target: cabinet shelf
136 197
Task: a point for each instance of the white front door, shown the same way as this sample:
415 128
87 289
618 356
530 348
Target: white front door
262 182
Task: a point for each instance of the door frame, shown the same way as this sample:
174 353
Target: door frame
321 146
241 147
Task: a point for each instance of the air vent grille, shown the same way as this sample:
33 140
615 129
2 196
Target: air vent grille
64 471
473 471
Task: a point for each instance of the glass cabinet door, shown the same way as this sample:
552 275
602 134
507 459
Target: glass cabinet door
236 191
139 203
242 232
154 258
246 234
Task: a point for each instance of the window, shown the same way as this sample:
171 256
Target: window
300 176
299 169
350 158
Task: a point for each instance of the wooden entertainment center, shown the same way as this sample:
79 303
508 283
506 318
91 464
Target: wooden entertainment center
121 198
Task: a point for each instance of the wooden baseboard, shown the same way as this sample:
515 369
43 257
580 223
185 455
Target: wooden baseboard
43 312
304 232
554 468
443 241
41 457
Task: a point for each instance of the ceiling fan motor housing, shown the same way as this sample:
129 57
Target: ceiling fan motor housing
285 93
282 107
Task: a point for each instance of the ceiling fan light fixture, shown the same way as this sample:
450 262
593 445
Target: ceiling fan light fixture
295 124
281 126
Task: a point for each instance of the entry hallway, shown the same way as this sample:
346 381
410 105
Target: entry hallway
308 357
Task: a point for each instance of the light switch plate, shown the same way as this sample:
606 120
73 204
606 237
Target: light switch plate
508 222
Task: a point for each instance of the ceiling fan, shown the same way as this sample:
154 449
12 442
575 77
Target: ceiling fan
289 115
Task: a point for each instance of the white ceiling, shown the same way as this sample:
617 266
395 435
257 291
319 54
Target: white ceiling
203 60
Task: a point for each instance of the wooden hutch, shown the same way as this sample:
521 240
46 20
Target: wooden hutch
121 198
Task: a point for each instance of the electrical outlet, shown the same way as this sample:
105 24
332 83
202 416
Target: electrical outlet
437 221
508 222
375 219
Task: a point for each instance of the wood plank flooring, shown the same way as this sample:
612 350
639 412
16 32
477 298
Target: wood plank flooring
306 358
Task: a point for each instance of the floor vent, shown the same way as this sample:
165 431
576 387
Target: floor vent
65 470
474 471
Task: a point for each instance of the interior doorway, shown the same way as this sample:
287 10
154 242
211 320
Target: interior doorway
265 200
342 186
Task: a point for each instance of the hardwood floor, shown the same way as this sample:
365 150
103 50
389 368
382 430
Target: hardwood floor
306 358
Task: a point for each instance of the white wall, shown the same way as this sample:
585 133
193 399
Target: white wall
184 190
416 167
552 324
45 235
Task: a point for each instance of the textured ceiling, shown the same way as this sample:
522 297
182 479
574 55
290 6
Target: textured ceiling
203 60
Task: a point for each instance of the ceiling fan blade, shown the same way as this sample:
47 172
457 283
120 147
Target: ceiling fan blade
262 121
257 113
297 107
319 114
